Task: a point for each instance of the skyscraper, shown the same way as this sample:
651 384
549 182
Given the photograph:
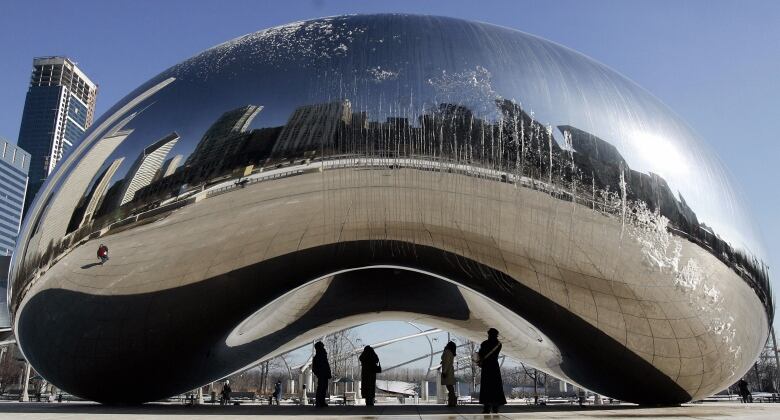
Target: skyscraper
14 164
311 127
217 139
146 166
169 167
55 223
59 107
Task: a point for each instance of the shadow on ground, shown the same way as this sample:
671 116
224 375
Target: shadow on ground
155 409
84 267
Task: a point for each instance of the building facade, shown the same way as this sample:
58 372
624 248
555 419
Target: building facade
59 108
218 139
311 127
14 165
146 166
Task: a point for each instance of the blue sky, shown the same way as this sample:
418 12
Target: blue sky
715 62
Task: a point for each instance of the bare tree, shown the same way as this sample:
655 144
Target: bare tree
341 352
535 376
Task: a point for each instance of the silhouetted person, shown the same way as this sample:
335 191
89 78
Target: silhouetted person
744 392
321 369
225 399
102 253
491 390
448 373
369 367
277 391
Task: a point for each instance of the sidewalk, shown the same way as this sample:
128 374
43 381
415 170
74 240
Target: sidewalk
76 410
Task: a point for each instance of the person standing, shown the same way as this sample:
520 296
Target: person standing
491 390
277 392
448 373
369 367
226 393
321 369
744 391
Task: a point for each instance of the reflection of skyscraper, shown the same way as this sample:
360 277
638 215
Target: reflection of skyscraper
311 126
169 167
59 108
55 223
148 163
14 164
99 192
216 140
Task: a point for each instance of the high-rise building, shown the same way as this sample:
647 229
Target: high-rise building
54 224
14 165
217 139
169 167
99 191
146 166
59 107
311 127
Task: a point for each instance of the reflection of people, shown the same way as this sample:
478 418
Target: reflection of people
369 367
491 391
277 391
321 369
102 253
448 373
225 400
744 391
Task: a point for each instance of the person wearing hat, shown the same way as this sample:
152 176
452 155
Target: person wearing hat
491 389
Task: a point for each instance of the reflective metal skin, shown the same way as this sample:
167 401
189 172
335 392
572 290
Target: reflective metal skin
309 177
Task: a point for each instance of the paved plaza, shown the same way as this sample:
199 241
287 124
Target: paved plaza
75 410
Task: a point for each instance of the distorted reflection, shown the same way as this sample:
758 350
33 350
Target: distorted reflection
467 174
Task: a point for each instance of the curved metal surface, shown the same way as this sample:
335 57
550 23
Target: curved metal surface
490 178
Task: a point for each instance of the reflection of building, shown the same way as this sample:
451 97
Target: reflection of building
147 164
54 224
99 191
312 126
171 165
218 138
14 164
59 108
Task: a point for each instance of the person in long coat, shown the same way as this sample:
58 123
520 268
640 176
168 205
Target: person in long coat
225 400
321 369
448 373
369 367
491 389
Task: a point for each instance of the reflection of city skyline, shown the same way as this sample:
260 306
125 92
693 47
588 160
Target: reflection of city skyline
587 165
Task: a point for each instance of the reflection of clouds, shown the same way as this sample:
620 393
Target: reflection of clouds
473 88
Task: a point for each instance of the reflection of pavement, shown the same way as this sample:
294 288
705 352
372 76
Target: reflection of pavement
54 411
572 255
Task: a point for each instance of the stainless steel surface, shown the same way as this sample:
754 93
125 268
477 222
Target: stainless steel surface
307 177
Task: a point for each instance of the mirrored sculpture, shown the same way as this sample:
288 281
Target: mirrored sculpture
314 176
